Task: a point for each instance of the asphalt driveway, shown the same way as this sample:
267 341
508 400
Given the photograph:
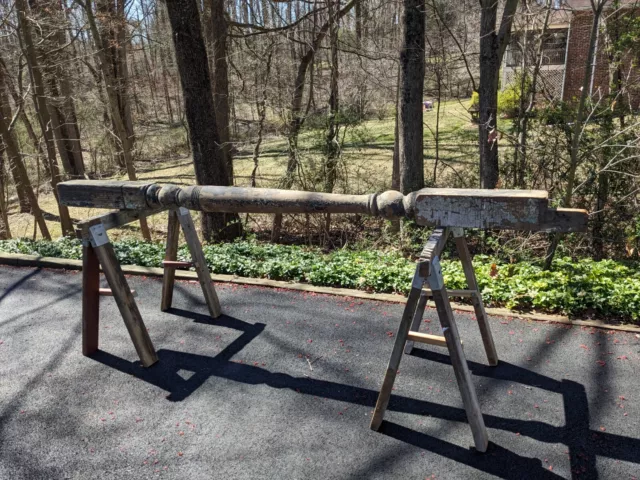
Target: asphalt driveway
283 386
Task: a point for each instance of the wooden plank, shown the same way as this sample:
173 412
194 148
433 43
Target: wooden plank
122 294
436 340
118 218
476 300
454 293
90 300
122 195
170 254
458 360
199 262
470 208
176 264
564 220
107 292
396 353
434 246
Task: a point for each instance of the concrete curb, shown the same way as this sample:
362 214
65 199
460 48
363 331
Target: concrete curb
20 260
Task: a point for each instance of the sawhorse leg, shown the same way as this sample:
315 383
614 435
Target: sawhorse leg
171 253
478 306
182 217
105 254
428 270
90 299
458 360
398 346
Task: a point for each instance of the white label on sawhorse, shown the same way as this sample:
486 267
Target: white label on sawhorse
98 235
183 211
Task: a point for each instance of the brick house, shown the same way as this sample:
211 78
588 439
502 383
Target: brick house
565 49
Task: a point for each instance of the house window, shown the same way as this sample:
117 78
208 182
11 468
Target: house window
554 47
555 4
514 52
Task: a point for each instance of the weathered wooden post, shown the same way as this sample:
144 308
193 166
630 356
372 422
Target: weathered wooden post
449 210
438 207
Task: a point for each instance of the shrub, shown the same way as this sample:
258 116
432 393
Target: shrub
509 97
475 100
605 288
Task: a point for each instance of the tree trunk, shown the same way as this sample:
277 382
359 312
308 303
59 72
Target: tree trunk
297 117
151 77
331 139
436 136
124 139
412 67
119 49
492 46
261 108
165 89
111 33
106 119
488 93
361 78
18 101
13 152
5 229
395 167
528 98
208 154
69 130
23 198
43 115
60 133
160 13
7 85
598 230
220 79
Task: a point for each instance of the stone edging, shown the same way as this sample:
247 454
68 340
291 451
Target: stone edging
20 260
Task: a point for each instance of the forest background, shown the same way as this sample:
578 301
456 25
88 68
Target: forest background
328 96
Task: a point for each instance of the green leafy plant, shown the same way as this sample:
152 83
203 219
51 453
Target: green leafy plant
475 100
576 287
509 97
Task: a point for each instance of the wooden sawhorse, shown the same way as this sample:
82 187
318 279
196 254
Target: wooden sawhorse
97 252
428 272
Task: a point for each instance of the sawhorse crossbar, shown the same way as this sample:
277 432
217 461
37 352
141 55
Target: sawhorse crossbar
97 251
428 272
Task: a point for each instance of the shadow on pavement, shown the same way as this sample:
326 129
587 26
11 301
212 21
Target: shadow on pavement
582 442
497 460
8 290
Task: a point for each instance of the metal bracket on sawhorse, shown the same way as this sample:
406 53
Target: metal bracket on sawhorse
97 251
428 272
